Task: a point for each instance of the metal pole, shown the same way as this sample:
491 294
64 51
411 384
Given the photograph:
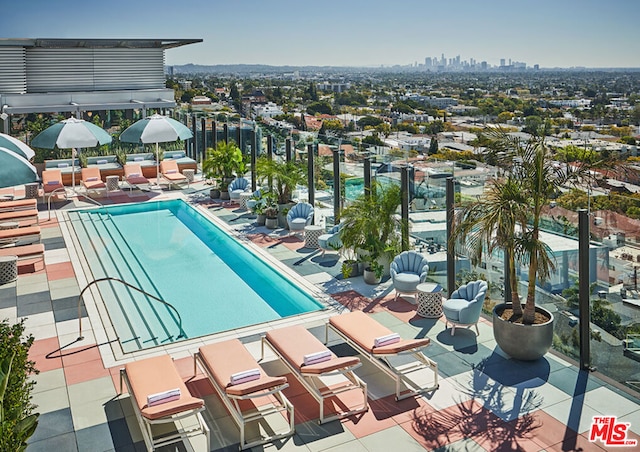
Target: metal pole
204 138
451 255
336 186
270 146
583 286
288 149
225 133
404 209
254 158
367 175
214 134
194 142
239 136
311 174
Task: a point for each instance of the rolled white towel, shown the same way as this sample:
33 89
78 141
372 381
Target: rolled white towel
163 397
317 357
244 376
102 162
386 340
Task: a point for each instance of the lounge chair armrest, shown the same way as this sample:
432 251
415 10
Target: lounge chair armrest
402 346
348 362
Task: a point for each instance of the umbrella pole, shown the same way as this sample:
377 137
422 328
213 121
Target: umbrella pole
157 166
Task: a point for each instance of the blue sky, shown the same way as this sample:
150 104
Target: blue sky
551 33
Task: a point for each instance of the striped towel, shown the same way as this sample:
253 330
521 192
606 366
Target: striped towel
317 357
244 376
386 340
163 397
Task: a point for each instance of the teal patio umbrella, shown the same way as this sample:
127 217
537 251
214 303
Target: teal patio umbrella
15 169
156 129
72 133
17 146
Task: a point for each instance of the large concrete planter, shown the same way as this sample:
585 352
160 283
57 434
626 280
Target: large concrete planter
523 342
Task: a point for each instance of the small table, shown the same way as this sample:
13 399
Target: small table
31 190
244 197
8 269
311 234
429 300
189 174
9 225
113 183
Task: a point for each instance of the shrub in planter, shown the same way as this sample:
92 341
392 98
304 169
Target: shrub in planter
18 422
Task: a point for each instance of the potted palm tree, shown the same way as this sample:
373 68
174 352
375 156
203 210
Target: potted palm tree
507 217
284 177
370 228
222 164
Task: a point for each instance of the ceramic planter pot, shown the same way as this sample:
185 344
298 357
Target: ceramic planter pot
271 223
370 277
523 342
261 219
214 193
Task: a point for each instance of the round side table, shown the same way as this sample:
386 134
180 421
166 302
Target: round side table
189 174
113 183
244 197
8 269
31 190
311 234
9 225
429 300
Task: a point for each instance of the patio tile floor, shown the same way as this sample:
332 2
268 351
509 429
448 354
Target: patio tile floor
485 402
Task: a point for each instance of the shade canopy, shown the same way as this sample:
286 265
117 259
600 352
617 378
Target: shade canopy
71 133
15 169
17 146
156 129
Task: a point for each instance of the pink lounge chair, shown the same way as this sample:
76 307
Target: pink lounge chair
51 182
171 173
159 396
237 376
23 217
91 180
25 252
18 204
133 175
362 332
295 345
20 236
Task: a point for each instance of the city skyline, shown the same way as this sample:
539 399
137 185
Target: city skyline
591 34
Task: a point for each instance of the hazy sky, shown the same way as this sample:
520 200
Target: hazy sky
551 33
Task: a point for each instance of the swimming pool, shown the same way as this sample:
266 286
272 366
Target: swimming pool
172 251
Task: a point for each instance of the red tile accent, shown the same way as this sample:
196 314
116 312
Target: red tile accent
433 429
581 443
400 411
400 308
355 301
374 420
86 371
39 351
81 355
550 431
60 270
263 240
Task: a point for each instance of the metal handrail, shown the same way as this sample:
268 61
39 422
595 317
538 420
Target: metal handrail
109 278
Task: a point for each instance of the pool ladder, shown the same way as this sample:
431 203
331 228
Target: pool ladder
131 286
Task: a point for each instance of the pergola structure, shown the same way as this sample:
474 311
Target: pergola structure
79 75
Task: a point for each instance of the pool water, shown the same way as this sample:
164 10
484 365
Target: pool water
171 251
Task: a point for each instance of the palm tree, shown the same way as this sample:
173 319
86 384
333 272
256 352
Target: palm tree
508 215
491 223
371 224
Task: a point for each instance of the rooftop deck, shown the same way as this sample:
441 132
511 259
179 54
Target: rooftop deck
485 400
